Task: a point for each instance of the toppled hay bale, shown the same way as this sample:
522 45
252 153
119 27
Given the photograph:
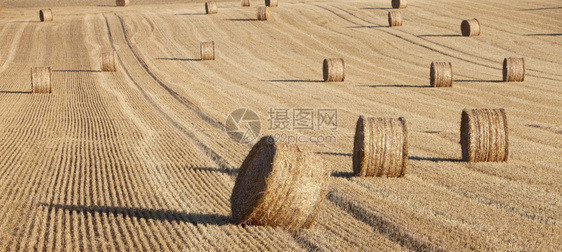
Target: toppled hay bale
208 50
514 69
333 70
46 15
394 18
109 62
279 185
470 27
211 7
380 147
399 4
122 3
271 3
41 80
263 13
484 135
441 74
246 3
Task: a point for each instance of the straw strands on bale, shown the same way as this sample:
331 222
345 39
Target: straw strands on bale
246 3
399 4
211 7
123 3
46 15
279 185
263 13
380 147
333 70
41 80
441 74
484 135
470 27
109 62
271 3
208 50
514 69
394 18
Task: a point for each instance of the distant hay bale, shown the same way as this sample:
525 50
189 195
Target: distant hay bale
122 3
109 62
46 15
484 135
470 27
208 50
211 7
394 18
279 185
441 74
514 69
246 3
399 4
271 3
263 13
380 147
41 80
333 70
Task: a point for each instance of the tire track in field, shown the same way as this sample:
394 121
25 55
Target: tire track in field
215 157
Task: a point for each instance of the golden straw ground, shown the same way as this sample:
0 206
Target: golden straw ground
484 135
441 74
380 147
513 69
279 185
41 80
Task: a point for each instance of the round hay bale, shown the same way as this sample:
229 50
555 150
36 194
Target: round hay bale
470 27
514 69
109 62
380 147
399 4
46 15
208 50
394 18
484 135
279 185
246 3
211 7
441 74
333 70
271 3
122 3
263 13
41 80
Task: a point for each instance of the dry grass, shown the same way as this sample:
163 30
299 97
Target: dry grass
441 74
279 185
484 135
514 69
470 27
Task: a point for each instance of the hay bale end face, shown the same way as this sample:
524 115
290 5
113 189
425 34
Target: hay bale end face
470 27
399 4
109 62
513 69
208 50
41 80
333 70
122 3
380 147
279 185
271 3
484 135
46 15
246 3
263 13
394 18
441 74
211 7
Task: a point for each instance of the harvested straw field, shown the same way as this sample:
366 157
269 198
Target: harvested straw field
139 159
